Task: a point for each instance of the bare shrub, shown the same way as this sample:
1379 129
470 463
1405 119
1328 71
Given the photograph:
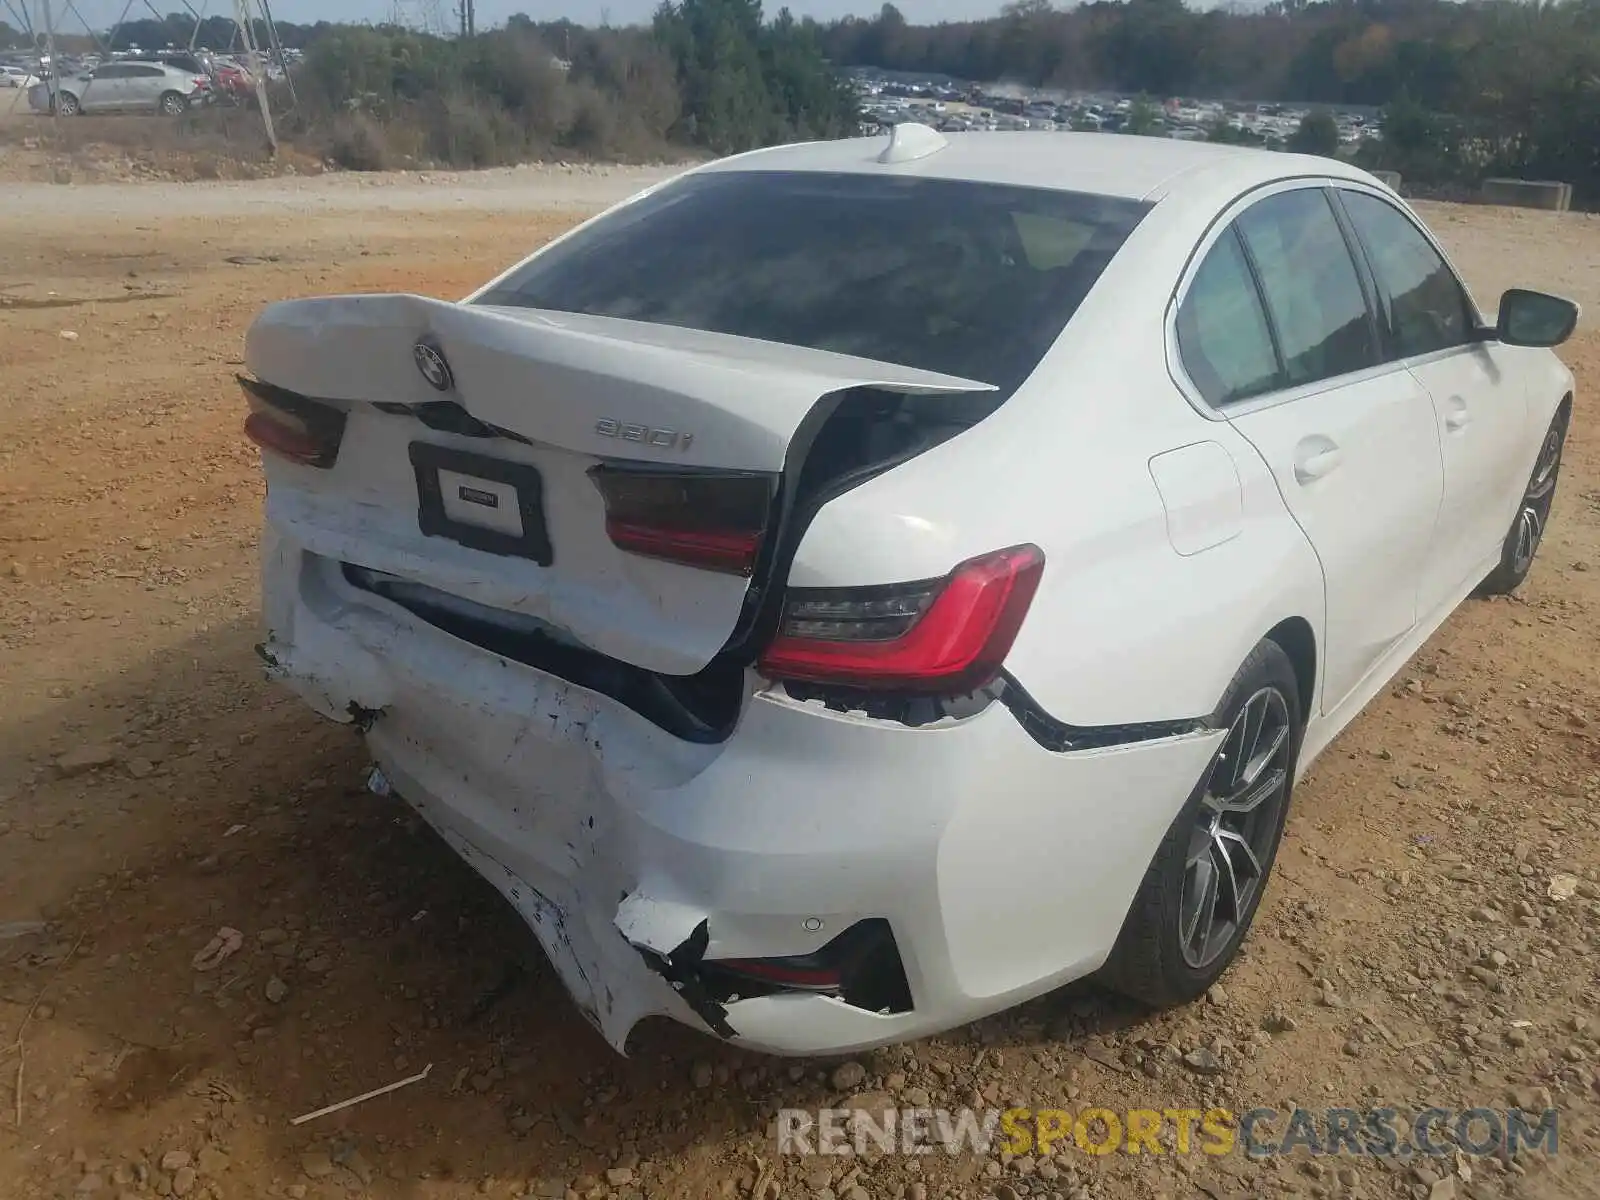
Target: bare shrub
357 143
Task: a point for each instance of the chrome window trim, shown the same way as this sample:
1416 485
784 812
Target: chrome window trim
1219 226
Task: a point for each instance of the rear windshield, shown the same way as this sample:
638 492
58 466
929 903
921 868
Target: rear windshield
971 279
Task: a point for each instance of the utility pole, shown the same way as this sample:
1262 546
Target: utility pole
275 46
55 63
258 69
24 18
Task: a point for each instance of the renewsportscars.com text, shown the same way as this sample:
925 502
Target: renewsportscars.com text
1255 1132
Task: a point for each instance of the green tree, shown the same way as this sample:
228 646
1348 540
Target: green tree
1511 87
1144 118
748 84
716 46
1317 134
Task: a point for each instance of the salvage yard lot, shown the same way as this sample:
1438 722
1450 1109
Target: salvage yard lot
154 791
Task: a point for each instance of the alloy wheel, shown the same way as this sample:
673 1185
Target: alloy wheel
1535 510
1234 828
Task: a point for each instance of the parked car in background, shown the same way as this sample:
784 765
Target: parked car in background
125 87
229 80
234 82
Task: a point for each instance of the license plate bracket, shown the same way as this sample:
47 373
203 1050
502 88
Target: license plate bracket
480 502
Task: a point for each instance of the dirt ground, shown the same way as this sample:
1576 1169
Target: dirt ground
154 791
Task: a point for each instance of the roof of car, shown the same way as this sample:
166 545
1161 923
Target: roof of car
1107 164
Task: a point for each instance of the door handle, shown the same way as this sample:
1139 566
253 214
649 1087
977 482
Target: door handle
1314 457
1457 416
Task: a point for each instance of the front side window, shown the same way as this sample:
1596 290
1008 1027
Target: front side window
970 279
1223 337
1309 280
1428 310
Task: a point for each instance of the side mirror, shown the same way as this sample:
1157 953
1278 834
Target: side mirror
1535 319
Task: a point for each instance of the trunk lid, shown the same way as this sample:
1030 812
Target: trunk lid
516 523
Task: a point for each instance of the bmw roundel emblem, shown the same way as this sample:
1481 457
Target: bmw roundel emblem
433 366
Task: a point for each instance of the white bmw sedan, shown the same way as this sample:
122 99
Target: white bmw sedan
852 588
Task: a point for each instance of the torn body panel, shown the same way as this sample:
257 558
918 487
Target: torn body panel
672 940
517 486
655 871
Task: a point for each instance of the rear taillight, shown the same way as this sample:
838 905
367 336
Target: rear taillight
292 426
714 520
936 637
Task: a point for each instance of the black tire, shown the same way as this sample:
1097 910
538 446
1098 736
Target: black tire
1533 514
67 104
1157 959
172 104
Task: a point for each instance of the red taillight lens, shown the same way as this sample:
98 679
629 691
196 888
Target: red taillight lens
940 637
292 426
709 519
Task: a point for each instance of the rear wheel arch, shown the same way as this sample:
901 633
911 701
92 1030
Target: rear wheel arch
1295 637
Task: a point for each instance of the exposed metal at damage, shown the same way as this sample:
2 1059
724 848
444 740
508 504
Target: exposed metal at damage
650 927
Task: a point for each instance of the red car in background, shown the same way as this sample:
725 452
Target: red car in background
234 81
230 81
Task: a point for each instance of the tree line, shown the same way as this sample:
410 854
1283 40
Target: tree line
1468 89
714 74
707 73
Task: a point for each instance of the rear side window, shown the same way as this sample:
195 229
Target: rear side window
1223 337
1427 306
1312 291
970 279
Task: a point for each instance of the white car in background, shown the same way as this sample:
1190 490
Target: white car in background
853 588
124 86
17 77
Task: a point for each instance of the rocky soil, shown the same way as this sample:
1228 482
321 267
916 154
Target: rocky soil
208 928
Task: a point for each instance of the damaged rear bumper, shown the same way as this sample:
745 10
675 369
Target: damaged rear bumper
720 885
